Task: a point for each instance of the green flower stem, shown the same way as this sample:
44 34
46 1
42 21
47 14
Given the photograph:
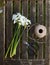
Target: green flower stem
11 43
14 49
17 40
14 45
7 51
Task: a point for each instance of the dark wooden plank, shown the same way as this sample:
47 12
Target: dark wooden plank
8 24
33 11
2 32
40 21
25 62
24 7
47 51
40 11
24 53
40 51
48 18
34 62
16 7
12 62
32 16
45 22
4 28
38 63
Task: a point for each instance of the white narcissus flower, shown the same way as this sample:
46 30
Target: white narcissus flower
21 19
14 16
40 31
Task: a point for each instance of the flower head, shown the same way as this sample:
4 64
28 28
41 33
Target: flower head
21 19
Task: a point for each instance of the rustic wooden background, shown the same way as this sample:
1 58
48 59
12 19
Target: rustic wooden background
38 11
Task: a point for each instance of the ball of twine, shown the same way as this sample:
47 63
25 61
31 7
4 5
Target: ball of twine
38 33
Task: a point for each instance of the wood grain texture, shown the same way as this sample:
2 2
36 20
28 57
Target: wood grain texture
1 35
6 32
48 33
8 24
16 8
33 11
24 52
40 21
32 17
48 18
25 62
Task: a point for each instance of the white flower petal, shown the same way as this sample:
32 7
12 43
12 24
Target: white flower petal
26 23
18 14
15 21
14 16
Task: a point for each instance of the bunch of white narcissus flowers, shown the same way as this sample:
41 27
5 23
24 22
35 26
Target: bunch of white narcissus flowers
22 21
